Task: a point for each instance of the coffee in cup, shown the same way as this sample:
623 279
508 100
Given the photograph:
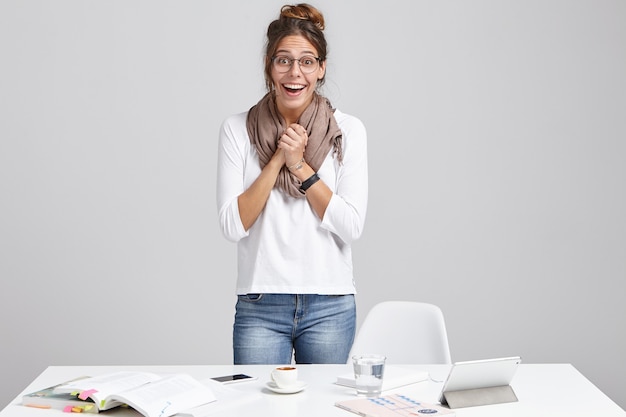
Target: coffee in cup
285 376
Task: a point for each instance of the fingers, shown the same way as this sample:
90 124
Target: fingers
294 139
293 142
297 134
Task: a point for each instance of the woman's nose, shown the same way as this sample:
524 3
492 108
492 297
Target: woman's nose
295 68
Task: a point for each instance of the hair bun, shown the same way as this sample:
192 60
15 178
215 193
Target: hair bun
303 11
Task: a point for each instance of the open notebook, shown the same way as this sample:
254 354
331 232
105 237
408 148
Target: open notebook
395 405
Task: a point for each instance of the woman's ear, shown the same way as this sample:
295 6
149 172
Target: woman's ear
322 70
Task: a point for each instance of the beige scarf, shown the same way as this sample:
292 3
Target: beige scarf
265 126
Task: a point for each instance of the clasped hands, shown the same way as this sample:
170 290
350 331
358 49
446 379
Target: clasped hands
292 143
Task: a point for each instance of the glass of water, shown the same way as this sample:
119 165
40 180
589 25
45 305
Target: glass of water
368 374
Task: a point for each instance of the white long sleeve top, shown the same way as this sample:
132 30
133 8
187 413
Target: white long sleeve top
289 249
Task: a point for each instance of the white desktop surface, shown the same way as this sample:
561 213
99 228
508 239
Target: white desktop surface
550 390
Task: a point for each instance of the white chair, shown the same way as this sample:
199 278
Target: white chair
406 332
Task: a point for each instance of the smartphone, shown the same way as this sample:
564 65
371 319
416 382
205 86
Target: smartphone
230 379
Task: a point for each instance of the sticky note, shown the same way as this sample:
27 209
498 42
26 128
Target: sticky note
67 409
85 394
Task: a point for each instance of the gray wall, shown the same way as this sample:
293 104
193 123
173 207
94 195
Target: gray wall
497 161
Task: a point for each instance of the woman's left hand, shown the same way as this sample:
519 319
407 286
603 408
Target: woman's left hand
293 143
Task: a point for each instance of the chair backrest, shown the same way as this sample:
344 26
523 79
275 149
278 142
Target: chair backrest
406 332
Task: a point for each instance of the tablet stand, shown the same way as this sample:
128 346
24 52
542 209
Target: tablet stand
479 396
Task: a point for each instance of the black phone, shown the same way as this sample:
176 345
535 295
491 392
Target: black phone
230 379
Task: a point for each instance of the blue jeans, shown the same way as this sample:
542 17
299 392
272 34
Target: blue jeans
269 328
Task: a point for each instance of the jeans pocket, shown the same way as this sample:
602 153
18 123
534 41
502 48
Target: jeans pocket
251 298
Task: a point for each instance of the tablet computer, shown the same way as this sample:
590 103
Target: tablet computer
484 373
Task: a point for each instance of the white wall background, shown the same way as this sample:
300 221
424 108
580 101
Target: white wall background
497 162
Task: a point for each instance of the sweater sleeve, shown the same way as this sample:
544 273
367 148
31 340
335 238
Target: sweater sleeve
230 176
345 214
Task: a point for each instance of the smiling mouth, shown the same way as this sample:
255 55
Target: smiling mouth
293 88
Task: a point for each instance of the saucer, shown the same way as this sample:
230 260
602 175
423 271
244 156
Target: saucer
297 387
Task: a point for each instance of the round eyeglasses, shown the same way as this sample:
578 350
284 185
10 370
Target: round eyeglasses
308 64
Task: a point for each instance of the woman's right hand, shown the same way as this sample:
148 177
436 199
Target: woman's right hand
293 142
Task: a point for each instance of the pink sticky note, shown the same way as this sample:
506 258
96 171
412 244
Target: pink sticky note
67 409
85 394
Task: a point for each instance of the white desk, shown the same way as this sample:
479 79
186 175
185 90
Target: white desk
550 390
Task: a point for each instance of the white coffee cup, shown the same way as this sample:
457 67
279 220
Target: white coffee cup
285 376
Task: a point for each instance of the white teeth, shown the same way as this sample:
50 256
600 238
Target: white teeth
294 86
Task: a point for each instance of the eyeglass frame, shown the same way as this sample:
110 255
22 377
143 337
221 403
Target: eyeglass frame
292 60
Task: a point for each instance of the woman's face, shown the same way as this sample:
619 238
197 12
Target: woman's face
294 88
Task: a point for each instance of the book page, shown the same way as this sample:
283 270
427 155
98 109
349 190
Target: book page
100 387
167 396
227 398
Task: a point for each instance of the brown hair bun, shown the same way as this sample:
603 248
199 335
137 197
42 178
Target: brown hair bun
303 11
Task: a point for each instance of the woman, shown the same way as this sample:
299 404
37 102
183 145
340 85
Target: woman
292 192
